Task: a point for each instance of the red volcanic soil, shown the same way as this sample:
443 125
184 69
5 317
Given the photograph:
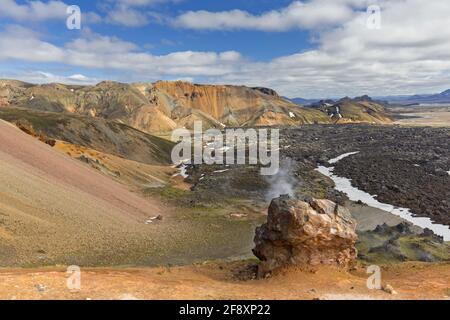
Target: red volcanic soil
30 154
218 281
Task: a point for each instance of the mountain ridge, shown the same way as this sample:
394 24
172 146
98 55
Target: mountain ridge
163 106
437 98
430 98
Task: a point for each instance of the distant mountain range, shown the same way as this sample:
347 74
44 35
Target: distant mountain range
304 102
439 98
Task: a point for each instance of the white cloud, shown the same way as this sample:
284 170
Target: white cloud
33 10
126 16
128 13
298 15
47 77
409 54
20 43
78 78
98 45
103 52
41 11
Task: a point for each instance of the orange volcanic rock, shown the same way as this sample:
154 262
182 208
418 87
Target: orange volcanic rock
236 105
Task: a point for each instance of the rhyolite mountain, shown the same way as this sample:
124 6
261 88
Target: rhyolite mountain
358 109
93 132
165 105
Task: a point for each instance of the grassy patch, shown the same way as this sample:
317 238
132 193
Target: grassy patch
376 249
418 248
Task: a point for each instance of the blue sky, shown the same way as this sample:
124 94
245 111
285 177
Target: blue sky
310 48
161 39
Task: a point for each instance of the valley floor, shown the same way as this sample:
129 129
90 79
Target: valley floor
433 119
223 281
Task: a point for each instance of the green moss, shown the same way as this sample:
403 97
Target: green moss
407 248
167 192
413 247
38 120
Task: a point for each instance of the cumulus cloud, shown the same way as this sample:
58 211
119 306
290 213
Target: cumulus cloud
41 11
410 53
99 45
127 16
34 10
78 78
47 77
128 13
298 15
103 52
20 43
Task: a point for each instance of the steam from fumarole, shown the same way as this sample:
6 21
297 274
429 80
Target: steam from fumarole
283 182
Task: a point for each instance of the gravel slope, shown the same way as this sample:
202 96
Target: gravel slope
53 208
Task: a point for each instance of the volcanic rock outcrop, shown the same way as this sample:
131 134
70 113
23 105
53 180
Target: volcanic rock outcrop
305 233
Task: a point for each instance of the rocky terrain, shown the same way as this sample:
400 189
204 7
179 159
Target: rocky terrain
305 233
385 244
419 150
405 167
163 106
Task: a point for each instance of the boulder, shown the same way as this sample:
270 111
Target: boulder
305 233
